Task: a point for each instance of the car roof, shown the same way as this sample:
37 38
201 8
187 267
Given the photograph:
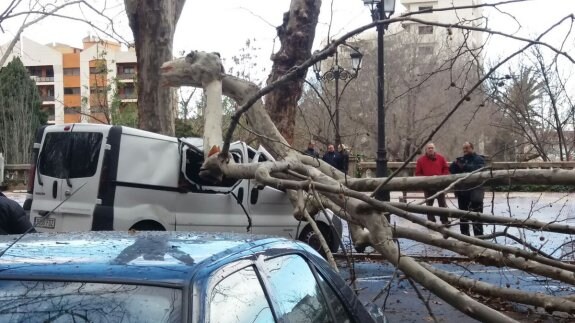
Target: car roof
162 258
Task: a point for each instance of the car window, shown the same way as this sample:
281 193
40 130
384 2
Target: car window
294 287
240 298
37 301
70 154
335 303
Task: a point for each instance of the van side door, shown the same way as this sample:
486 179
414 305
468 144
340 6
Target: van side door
68 169
50 172
204 206
270 207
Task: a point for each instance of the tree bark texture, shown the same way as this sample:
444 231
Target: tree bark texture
296 35
153 24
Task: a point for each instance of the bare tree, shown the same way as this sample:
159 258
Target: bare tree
535 107
312 185
32 12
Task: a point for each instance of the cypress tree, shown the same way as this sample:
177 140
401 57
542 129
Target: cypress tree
20 113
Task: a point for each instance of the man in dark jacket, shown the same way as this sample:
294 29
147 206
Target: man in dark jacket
469 200
332 157
432 164
344 158
13 218
311 150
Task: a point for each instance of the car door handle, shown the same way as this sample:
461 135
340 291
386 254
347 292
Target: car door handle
67 193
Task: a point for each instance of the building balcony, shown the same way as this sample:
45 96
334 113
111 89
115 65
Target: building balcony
128 96
39 79
47 98
126 76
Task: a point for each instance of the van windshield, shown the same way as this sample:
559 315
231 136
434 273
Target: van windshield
70 154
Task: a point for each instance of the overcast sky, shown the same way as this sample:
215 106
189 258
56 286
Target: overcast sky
225 25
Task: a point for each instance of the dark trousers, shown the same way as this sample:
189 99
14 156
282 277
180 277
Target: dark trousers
440 201
466 204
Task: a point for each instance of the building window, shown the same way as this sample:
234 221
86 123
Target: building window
425 8
98 89
425 50
425 30
98 109
128 70
72 71
72 110
98 70
72 90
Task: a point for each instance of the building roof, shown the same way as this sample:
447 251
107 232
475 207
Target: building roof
138 257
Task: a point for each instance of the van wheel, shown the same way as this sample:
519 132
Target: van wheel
308 236
148 226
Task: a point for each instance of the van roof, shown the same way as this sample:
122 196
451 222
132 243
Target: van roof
139 257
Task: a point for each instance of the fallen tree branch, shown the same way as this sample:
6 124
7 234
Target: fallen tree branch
493 178
549 303
486 256
486 218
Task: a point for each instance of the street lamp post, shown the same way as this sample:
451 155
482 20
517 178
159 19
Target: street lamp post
337 73
381 9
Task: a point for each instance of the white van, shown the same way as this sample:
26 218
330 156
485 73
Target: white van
102 177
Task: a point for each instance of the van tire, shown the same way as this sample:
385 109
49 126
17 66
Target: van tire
308 236
148 226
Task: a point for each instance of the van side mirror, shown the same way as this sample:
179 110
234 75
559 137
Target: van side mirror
254 195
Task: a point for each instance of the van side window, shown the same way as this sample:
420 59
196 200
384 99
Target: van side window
194 163
70 154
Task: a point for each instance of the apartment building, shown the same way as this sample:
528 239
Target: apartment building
431 39
79 84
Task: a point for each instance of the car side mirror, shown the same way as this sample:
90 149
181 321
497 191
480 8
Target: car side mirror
254 195
376 313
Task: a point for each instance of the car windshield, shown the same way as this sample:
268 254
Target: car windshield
38 301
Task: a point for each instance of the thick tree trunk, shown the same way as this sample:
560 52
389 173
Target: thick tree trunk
153 24
296 35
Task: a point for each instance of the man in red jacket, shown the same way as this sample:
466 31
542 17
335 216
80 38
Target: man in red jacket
432 164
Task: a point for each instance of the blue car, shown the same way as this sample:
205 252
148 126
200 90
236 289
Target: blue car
170 277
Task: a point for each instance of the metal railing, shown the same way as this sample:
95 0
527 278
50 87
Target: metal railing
42 78
126 76
128 96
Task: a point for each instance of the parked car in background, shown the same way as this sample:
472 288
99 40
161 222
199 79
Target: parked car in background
103 177
170 277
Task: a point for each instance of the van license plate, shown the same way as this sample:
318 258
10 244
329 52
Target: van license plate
47 223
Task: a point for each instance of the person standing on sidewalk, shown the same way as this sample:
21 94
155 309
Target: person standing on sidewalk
432 164
310 151
469 200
